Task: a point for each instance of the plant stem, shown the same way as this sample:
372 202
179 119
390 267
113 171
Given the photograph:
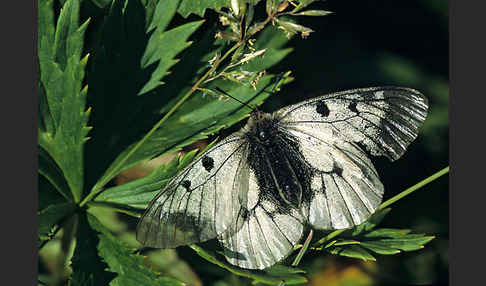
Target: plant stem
414 188
97 188
389 202
303 249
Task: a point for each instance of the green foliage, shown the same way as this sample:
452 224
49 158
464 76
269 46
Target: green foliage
139 193
151 89
384 241
121 260
51 216
88 266
62 128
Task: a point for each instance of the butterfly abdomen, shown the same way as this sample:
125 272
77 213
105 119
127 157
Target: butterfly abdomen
274 156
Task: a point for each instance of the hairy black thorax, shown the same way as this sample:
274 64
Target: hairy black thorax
275 157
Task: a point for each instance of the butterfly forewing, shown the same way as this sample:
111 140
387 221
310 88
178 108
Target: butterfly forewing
199 203
383 119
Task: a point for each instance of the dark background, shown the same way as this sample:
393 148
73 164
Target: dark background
374 43
377 43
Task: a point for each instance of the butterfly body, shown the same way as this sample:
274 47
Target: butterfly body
302 165
274 156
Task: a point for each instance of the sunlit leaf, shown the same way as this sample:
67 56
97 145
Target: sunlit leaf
61 71
139 193
353 251
199 7
313 13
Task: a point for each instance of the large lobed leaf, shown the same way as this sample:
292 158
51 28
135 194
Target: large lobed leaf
63 117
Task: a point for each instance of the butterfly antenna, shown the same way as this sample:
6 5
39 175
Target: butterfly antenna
279 78
228 95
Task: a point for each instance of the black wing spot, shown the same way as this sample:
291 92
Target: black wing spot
352 106
208 163
338 170
187 185
322 109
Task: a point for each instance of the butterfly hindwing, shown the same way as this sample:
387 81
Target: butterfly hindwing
199 203
383 119
261 238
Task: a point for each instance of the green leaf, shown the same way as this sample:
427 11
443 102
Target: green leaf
272 40
386 241
168 262
88 268
139 193
150 7
121 260
294 28
272 276
313 13
279 270
387 232
49 169
127 58
101 3
302 4
50 217
62 101
198 118
371 223
407 243
353 251
48 195
379 247
199 7
163 13
163 47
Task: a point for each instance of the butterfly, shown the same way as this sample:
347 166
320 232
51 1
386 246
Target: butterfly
304 165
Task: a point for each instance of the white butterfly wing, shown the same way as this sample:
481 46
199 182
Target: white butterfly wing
261 237
200 202
384 119
347 189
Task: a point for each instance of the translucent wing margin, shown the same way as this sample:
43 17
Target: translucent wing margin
383 119
261 237
198 204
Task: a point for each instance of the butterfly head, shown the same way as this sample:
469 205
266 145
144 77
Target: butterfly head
261 127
